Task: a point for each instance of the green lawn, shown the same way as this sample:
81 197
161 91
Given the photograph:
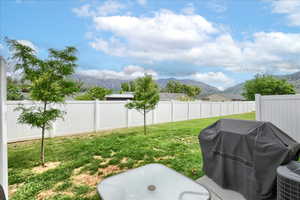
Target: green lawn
79 163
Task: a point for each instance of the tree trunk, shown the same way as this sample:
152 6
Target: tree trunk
145 125
42 156
42 153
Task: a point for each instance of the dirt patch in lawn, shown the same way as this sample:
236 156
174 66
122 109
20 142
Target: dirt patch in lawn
50 193
97 157
124 160
48 166
86 179
111 169
78 170
12 189
164 158
45 194
93 179
138 163
105 161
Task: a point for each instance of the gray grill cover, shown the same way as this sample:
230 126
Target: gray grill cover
243 155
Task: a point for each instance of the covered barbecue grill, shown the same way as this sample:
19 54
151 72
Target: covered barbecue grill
243 155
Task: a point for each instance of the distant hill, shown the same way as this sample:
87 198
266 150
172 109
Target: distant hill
206 89
237 89
291 78
115 84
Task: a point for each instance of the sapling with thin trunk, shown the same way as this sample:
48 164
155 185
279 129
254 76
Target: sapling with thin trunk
49 84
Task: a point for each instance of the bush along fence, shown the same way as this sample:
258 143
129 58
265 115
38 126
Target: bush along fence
92 116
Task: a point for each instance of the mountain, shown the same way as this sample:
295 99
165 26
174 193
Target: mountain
115 84
237 89
206 89
291 78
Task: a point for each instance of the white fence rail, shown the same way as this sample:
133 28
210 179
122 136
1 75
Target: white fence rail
281 110
90 116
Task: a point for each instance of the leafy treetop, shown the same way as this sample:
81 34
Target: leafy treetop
94 93
177 87
267 85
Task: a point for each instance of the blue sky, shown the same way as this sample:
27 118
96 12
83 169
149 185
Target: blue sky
219 42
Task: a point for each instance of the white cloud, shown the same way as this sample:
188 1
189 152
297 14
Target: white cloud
168 36
272 52
29 44
142 2
129 72
83 11
108 7
217 79
165 36
291 8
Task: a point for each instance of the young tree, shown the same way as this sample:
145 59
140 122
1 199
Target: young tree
49 84
125 87
128 86
176 87
191 90
266 85
94 93
146 96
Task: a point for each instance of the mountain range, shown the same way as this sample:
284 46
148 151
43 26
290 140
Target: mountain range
115 84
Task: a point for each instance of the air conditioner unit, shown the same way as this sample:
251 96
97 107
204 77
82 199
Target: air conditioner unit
288 181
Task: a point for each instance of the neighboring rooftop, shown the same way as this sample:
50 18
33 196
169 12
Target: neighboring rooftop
163 96
124 96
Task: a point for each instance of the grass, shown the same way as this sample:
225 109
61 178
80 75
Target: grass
87 159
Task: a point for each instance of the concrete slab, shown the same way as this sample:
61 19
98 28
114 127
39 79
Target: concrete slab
218 193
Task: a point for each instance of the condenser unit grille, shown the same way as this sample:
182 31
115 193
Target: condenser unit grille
287 189
288 182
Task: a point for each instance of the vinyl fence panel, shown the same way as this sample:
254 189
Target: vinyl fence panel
281 110
92 116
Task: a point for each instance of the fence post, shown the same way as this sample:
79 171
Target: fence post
210 112
188 110
3 128
96 115
200 110
128 115
258 107
172 111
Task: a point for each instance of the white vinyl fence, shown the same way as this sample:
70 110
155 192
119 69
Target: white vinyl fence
91 116
282 110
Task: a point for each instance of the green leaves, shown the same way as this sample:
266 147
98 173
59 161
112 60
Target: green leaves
177 87
128 86
13 90
48 79
94 93
267 85
37 117
146 94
